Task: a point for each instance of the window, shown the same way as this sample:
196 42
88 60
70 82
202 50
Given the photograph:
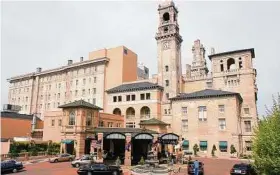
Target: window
49 105
209 84
76 92
49 96
83 92
77 82
167 95
88 91
50 87
119 98
127 97
65 94
130 124
94 90
125 51
101 123
184 125
26 99
89 80
202 113
246 111
165 111
27 89
203 145
142 96
184 111
58 95
59 122
166 68
247 126
222 123
53 122
223 146
248 145
72 118
166 82
94 79
133 97
89 119
95 68
115 99
59 85
110 124
148 96
94 101
84 81
221 108
118 125
169 111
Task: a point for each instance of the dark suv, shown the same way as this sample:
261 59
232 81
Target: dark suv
11 166
243 168
191 168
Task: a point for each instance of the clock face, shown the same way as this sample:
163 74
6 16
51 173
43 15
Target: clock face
166 45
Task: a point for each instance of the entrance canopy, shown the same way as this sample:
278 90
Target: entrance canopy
115 136
169 138
143 136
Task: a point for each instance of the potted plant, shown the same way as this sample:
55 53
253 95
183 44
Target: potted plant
195 149
232 150
213 150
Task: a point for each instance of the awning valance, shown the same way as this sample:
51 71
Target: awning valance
67 141
143 136
115 136
185 143
169 138
223 143
203 143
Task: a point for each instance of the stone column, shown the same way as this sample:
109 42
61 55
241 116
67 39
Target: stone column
127 160
80 147
100 149
155 145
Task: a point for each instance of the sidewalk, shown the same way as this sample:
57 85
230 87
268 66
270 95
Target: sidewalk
29 162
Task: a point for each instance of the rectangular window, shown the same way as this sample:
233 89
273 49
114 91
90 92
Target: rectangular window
130 124
222 124
166 68
110 124
246 111
88 91
209 84
59 122
184 111
58 95
94 90
53 122
115 99
148 96
248 127
184 125
133 97
221 108
77 82
127 97
223 146
203 145
94 79
119 98
202 113
166 82
248 145
94 101
165 111
83 92
89 120
76 92
59 85
142 96
167 95
84 81
101 123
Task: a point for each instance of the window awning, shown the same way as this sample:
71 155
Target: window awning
223 143
203 143
185 143
144 137
115 136
67 141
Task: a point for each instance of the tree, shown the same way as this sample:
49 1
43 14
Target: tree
195 149
213 150
232 149
266 147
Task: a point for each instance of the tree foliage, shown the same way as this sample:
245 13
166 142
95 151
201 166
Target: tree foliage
232 149
213 150
195 149
266 143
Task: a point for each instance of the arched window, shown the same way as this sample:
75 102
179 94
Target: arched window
166 16
240 63
89 119
72 118
145 112
130 112
222 65
117 111
231 64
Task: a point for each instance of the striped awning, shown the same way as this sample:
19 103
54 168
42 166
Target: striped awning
67 141
223 143
203 143
185 143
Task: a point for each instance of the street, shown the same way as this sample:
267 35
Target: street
212 167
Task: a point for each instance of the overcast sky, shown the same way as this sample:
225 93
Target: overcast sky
47 34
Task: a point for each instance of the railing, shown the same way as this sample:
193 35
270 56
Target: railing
25 156
130 116
145 116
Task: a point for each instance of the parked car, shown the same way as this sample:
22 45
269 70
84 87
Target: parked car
191 168
62 158
243 168
84 160
187 156
11 166
99 168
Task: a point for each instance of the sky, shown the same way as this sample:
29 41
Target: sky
47 34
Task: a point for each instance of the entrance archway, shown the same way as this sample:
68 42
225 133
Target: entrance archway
168 142
117 111
141 145
114 147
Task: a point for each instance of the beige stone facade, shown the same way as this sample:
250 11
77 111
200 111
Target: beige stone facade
227 95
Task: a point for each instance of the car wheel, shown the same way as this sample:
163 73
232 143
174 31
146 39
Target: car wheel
115 173
55 160
15 170
89 173
77 165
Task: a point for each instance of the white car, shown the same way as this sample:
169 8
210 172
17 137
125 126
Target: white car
84 160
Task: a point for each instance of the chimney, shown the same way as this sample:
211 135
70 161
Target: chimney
212 50
70 62
38 69
81 59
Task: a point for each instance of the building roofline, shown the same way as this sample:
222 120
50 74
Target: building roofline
232 52
61 68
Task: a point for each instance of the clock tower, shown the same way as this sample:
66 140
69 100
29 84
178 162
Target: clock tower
169 51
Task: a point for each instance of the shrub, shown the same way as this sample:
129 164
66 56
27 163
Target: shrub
213 150
195 149
232 149
142 161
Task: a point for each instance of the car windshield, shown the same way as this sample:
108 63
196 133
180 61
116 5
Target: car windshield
240 166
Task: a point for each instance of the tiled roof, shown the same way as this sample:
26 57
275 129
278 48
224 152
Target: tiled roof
207 93
152 121
15 115
132 131
233 52
80 103
134 87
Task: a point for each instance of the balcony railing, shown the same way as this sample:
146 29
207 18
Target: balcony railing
130 116
145 116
